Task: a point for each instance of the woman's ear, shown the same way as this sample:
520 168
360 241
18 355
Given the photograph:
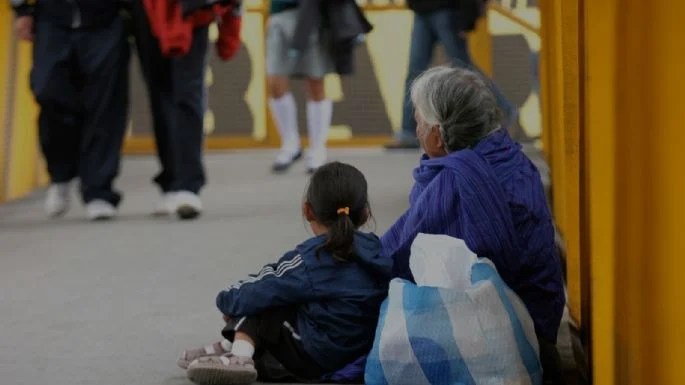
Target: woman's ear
437 137
438 143
308 212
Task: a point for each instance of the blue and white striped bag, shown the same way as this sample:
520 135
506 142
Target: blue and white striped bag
479 333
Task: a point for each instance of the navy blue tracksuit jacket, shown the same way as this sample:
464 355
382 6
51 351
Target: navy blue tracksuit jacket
338 302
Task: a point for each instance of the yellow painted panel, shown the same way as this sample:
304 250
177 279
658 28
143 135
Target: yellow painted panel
525 22
555 112
650 338
256 96
666 315
526 19
546 73
571 154
5 78
22 174
389 61
560 82
600 107
634 96
480 45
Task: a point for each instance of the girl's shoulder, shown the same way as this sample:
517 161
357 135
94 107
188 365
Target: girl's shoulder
311 244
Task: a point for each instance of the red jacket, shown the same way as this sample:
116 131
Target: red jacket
175 33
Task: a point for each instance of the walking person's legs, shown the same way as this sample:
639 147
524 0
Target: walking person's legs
319 115
284 111
177 92
156 71
281 101
313 64
59 120
103 56
423 39
186 137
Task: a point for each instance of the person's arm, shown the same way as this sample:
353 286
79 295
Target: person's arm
228 43
23 23
279 284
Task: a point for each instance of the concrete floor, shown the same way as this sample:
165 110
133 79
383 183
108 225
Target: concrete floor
115 303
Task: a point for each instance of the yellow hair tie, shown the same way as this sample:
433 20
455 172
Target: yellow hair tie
344 210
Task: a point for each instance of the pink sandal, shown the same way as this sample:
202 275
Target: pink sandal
223 370
214 350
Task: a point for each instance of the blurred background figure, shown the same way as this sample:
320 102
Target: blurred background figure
172 41
308 39
176 88
80 81
445 22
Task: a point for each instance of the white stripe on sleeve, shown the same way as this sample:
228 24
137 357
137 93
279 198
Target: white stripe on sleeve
268 271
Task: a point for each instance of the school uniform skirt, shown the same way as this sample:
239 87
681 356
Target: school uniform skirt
315 62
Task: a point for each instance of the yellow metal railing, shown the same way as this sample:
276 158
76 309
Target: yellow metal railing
21 168
615 143
5 51
506 12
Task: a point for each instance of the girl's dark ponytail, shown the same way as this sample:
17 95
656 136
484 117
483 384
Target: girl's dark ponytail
338 197
340 238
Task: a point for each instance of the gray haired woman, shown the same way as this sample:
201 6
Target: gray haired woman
454 109
475 183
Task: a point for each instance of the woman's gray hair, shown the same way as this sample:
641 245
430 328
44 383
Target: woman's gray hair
459 102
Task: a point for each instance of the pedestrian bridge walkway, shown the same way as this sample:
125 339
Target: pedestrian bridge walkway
115 303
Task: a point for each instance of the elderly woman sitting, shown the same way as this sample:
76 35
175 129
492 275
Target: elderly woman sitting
474 183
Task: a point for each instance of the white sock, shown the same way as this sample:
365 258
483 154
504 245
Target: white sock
284 111
319 115
242 348
226 345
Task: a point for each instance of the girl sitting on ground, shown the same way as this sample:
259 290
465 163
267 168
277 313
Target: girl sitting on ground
317 308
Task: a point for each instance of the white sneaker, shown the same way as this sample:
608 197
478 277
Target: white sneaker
166 205
188 205
57 200
285 159
99 210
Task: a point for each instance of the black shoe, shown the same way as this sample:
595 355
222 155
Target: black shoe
189 205
404 144
283 167
187 213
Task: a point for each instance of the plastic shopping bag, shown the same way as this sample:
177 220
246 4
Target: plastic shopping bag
441 261
473 330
